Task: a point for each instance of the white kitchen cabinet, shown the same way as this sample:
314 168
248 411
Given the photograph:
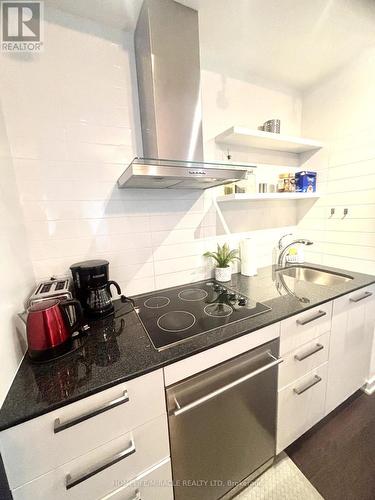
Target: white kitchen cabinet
301 405
303 359
99 472
302 382
304 327
350 345
73 430
151 484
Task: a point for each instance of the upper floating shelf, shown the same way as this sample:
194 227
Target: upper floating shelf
242 136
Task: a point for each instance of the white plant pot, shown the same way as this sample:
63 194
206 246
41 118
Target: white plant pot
223 273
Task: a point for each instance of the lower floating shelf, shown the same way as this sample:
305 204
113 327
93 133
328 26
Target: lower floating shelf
267 196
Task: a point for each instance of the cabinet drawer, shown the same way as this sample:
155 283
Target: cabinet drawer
151 484
354 300
304 327
44 443
303 359
79 479
300 406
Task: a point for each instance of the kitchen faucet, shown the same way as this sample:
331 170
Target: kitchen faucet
283 250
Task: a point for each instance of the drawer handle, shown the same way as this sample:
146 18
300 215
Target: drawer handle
364 296
58 426
301 357
73 481
213 394
304 388
317 316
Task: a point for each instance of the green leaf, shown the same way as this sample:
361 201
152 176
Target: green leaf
223 256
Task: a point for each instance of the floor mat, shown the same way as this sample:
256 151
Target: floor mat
283 481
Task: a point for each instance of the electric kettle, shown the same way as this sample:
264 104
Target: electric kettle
49 328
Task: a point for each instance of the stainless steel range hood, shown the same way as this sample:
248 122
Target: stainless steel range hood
166 44
151 173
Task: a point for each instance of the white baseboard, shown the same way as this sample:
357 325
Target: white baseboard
369 387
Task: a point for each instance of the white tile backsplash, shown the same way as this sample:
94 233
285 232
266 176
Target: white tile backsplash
17 276
82 89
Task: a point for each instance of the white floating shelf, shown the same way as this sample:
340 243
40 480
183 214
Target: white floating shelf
267 196
242 136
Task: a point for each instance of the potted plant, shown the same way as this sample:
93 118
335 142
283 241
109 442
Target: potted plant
223 257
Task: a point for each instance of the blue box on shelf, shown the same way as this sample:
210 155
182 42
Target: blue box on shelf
305 181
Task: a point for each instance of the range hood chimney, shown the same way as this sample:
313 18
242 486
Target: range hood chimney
166 43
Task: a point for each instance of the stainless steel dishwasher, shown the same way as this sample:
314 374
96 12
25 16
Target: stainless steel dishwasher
222 425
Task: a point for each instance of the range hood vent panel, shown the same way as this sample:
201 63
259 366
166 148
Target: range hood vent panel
166 42
146 173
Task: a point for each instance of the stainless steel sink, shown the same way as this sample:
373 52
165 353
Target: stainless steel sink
316 276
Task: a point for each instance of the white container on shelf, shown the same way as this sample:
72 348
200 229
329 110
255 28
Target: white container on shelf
248 256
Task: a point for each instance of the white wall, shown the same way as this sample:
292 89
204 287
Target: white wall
341 112
72 120
229 100
16 270
233 98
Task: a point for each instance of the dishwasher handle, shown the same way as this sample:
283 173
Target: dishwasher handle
213 394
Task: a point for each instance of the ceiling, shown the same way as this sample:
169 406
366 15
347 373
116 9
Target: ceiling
296 43
120 14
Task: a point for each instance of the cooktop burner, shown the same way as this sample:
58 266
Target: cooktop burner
156 302
176 321
177 314
192 294
218 310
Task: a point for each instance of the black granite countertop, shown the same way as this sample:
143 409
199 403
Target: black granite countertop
118 349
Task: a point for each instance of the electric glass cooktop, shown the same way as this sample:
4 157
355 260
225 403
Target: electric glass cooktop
176 314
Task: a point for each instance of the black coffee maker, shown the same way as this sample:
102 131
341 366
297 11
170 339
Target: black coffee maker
93 288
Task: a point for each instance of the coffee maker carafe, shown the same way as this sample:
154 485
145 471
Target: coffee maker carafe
92 287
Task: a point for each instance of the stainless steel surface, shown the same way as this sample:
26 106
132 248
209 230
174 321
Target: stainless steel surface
60 426
280 243
303 388
311 275
272 126
53 288
358 299
284 251
282 286
217 392
174 174
227 437
301 357
166 43
71 481
319 314
247 481
168 71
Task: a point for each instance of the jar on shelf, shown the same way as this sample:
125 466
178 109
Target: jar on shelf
283 183
292 183
229 188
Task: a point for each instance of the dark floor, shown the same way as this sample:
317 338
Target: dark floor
4 488
338 454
